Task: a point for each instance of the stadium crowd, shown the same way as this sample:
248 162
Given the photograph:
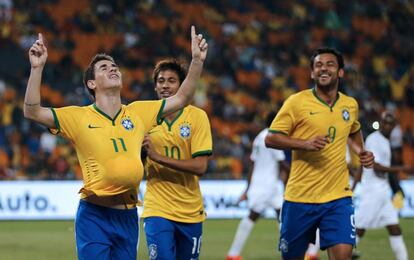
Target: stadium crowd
258 56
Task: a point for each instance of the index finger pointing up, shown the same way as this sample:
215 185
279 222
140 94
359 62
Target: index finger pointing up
40 38
193 33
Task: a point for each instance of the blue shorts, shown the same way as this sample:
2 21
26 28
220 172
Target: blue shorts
299 221
106 233
167 239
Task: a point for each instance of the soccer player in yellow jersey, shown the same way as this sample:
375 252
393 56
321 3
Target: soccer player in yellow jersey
316 125
178 151
107 137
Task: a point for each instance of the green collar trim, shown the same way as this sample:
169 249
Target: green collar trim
169 124
323 101
105 115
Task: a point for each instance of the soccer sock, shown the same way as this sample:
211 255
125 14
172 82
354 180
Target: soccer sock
398 247
313 249
357 238
243 232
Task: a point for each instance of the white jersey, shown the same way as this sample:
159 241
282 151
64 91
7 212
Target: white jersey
263 190
380 146
265 173
376 209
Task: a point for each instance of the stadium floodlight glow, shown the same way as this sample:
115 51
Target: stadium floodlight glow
375 125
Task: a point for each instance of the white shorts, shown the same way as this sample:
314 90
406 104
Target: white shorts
375 210
258 201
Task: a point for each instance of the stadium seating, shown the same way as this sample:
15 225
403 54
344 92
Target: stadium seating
258 56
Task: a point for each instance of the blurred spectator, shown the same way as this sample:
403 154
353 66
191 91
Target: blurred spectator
257 58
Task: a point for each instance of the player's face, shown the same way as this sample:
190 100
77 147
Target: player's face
167 84
387 124
107 75
326 70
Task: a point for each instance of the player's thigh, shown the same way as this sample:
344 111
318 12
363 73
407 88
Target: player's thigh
124 235
298 228
368 214
92 241
188 237
389 214
160 238
257 201
337 225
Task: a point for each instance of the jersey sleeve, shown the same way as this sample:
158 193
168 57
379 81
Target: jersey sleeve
67 121
149 111
356 126
285 118
201 141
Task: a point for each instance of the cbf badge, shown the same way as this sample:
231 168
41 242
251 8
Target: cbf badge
127 124
185 130
345 115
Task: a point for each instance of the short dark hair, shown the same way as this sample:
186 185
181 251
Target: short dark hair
90 71
332 51
169 64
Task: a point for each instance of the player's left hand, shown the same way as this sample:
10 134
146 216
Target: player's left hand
199 46
367 159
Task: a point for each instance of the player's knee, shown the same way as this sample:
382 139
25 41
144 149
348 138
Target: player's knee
394 230
254 216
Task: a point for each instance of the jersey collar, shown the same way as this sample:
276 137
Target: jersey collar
169 124
105 115
323 101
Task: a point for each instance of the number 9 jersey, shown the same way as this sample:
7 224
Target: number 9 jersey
172 194
318 176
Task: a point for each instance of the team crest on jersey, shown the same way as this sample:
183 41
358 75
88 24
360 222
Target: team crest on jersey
152 251
185 130
345 114
127 124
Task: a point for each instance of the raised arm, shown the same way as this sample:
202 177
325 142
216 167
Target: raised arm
32 101
186 91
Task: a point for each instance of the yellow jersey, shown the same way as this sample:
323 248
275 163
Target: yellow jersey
109 150
173 194
318 176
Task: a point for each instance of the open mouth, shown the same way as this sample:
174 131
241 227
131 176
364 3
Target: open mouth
114 76
324 76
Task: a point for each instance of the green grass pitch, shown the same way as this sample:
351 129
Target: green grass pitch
45 240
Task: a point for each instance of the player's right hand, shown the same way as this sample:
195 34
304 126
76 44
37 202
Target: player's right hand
199 46
38 53
316 143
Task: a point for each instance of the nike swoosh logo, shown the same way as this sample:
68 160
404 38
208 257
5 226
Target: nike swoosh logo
313 113
91 126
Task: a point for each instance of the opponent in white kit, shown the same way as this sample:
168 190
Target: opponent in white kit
376 209
262 190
